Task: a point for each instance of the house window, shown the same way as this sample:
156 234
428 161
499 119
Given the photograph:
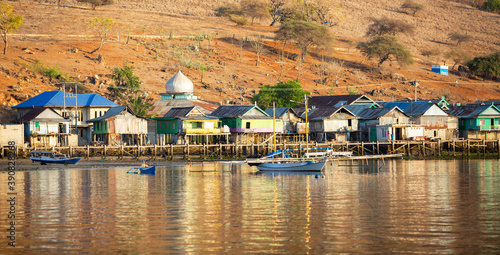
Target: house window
199 125
349 122
482 122
166 124
248 125
159 124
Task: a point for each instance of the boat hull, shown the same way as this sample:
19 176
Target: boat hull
148 170
307 166
48 160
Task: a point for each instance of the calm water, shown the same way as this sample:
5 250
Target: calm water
400 207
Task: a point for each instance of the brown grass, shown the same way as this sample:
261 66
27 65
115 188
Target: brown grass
51 34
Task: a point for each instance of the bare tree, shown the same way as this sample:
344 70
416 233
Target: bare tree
459 38
326 13
458 57
96 3
275 10
413 6
258 45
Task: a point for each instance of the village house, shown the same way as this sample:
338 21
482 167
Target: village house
247 123
13 133
437 123
183 125
43 127
288 116
384 124
477 121
333 124
77 108
119 125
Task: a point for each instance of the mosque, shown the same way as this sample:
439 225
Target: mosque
179 93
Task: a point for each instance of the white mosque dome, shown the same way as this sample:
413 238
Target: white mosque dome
179 84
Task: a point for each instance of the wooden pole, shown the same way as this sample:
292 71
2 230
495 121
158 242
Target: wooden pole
468 147
439 148
104 154
423 148
454 148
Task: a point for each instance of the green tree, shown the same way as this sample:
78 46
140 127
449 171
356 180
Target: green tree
459 38
282 94
124 77
458 56
386 48
488 66
255 9
388 26
413 6
101 26
8 22
139 105
492 5
96 3
305 34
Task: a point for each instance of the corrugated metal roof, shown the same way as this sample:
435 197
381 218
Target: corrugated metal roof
489 102
279 112
356 109
34 113
199 118
375 113
324 112
233 111
255 117
471 111
56 99
339 100
178 112
161 107
412 109
112 112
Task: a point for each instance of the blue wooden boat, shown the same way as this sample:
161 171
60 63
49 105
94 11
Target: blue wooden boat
49 157
143 169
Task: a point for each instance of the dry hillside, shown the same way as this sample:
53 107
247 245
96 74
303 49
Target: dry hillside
162 42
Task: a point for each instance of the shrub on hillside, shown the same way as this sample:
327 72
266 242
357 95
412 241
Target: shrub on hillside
492 5
96 3
488 66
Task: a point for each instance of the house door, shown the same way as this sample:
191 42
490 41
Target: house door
373 134
61 128
399 134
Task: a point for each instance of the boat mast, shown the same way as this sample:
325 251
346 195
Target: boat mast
274 126
307 127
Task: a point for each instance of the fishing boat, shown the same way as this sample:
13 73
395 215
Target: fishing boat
49 157
304 166
143 169
281 161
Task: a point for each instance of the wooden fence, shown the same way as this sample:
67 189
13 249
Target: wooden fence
451 148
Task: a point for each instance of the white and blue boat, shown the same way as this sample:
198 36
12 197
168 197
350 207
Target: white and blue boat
143 169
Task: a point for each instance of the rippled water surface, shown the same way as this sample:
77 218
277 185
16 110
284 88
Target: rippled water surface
400 207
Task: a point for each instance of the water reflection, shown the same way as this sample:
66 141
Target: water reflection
398 206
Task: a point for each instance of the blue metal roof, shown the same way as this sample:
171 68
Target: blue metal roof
56 99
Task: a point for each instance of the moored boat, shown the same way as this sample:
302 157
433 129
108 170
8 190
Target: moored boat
143 169
49 157
305 166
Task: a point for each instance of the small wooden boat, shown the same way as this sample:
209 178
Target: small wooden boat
305 166
49 157
143 169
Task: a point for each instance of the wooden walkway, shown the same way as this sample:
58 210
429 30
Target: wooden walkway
451 148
